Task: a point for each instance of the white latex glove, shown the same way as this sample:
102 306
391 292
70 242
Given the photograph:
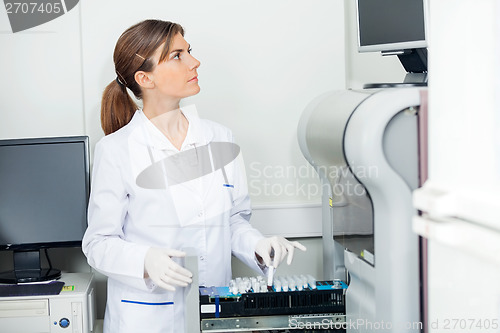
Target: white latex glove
166 273
274 249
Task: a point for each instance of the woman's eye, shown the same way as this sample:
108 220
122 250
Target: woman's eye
189 50
177 56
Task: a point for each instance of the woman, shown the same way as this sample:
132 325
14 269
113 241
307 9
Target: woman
165 180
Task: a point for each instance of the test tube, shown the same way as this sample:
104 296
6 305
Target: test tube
284 284
298 279
253 281
303 280
277 285
240 283
297 283
291 283
263 287
247 284
255 286
233 288
311 281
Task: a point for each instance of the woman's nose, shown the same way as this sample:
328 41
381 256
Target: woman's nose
195 63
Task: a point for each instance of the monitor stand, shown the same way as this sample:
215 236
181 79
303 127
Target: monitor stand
27 268
414 62
411 80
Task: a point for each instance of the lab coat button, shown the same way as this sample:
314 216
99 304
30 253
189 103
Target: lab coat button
200 214
202 258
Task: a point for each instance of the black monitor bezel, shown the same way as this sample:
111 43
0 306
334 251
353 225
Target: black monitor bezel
52 140
390 47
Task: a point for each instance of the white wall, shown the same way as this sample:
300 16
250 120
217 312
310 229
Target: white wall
41 85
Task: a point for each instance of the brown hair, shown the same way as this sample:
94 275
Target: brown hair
133 53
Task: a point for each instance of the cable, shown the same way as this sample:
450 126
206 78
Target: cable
48 259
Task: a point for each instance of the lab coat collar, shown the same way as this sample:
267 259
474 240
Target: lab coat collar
194 137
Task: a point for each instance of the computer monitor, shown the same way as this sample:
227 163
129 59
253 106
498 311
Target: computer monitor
396 27
44 191
390 25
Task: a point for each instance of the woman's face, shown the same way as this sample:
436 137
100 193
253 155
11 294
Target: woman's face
177 76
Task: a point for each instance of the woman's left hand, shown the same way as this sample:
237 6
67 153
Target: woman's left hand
272 250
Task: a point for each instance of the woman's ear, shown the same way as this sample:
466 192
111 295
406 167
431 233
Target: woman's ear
144 80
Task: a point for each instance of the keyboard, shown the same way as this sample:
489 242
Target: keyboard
37 289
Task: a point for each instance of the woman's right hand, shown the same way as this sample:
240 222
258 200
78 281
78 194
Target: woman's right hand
163 271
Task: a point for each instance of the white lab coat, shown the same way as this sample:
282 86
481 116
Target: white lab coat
125 220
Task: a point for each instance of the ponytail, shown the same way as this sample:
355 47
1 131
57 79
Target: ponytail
117 107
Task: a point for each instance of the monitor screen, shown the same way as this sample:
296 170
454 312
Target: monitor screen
389 25
44 189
